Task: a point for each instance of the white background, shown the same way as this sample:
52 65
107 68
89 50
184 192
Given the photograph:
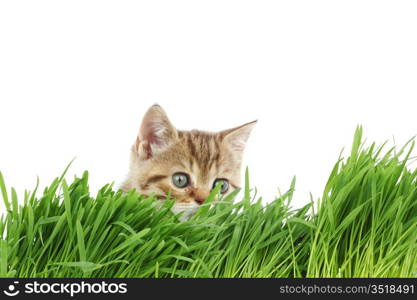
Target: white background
77 76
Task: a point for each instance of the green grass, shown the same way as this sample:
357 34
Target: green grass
364 225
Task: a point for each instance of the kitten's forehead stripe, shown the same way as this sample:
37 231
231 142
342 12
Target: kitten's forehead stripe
204 149
191 145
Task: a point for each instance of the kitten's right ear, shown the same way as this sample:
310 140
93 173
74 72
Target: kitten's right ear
155 134
236 138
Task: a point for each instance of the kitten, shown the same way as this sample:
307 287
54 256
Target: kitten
186 164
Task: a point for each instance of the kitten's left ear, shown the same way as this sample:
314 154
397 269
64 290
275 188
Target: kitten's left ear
156 133
237 137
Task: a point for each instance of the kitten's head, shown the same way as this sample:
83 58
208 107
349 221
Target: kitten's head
185 164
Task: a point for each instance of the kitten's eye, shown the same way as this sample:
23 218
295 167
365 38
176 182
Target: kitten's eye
180 180
224 183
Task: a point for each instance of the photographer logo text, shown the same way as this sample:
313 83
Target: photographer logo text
71 289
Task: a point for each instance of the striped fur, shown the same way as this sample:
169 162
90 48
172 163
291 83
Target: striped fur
161 151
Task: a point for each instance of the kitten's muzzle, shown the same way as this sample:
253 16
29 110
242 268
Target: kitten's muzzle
200 195
200 201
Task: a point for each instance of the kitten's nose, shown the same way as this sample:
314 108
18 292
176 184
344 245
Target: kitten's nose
201 195
199 201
